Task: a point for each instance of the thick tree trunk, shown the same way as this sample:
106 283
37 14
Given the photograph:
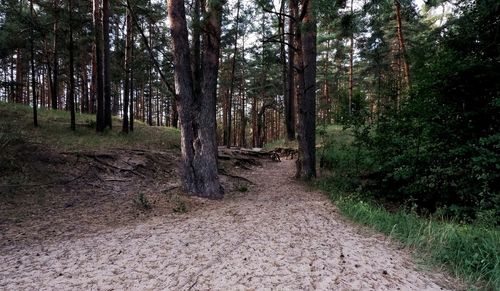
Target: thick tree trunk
198 143
306 163
126 82
196 48
71 95
99 85
298 64
106 64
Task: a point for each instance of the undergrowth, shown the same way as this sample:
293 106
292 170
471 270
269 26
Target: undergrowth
468 251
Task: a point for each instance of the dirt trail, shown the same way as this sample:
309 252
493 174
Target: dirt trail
279 235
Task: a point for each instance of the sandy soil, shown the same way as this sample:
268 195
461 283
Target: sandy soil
278 235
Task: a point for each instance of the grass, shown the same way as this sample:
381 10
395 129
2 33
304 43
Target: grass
280 143
468 251
54 130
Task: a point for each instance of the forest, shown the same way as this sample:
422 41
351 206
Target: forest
114 114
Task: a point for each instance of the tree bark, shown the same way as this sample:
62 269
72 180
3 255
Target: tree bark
351 57
306 163
290 110
131 111
198 143
19 76
227 132
99 84
106 64
126 82
406 66
33 81
55 75
71 69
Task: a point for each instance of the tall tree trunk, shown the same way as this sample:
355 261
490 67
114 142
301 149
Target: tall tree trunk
99 85
198 143
55 75
406 66
106 64
126 83
93 82
242 132
196 48
306 164
227 132
298 65
351 58
326 88
290 110
255 135
131 106
33 80
71 69
150 76
84 87
19 76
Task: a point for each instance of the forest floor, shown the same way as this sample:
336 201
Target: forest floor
269 232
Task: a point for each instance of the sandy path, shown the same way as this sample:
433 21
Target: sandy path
278 236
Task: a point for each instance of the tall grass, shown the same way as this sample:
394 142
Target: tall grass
468 251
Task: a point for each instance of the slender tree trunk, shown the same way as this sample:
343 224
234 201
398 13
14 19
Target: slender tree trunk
406 66
254 122
131 72
290 110
150 76
326 88
227 132
33 80
93 82
126 83
19 76
55 75
106 64
198 143
351 57
71 69
85 90
306 164
99 88
242 133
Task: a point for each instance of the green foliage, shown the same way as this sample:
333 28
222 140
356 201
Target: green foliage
471 252
179 204
143 202
242 188
54 131
440 150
